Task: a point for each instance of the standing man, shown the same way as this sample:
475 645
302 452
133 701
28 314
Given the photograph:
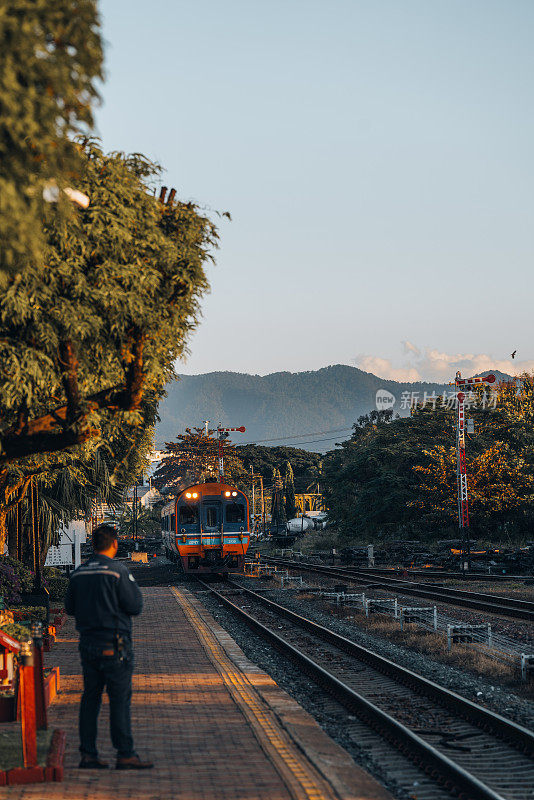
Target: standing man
103 596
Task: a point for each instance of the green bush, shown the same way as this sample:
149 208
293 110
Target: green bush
25 576
16 630
30 613
57 587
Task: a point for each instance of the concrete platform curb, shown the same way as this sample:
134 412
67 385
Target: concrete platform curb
347 780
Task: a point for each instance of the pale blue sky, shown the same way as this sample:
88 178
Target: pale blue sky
376 157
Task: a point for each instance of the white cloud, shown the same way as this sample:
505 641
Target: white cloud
385 369
432 365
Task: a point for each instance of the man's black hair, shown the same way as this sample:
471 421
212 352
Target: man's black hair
103 537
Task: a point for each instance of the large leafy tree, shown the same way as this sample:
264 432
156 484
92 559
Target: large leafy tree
194 457
396 476
51 59
83 343
369 481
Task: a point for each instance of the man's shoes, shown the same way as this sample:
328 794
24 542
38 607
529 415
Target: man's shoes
88 762
134 762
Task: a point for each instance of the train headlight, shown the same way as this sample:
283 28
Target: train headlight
195 494
234 494
227 494
188 495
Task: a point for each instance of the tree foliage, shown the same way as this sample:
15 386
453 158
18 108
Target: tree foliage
194 458
87 345
500 464
110 316
144 522
51 59
96 304
306 465
67 485
400 475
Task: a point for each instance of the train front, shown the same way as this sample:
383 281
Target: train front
207 528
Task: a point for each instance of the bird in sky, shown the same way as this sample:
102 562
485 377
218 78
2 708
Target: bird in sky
513 354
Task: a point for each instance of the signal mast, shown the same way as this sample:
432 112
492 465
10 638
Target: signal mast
222 435
462 385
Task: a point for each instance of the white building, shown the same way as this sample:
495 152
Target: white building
68 551
147 497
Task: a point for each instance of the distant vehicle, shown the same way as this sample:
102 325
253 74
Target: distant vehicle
312 521
206 529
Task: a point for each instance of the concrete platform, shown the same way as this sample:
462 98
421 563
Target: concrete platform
215 724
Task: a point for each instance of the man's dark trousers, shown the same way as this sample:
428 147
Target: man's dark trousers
108 671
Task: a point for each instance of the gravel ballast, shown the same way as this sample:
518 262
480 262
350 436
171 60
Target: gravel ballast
475 688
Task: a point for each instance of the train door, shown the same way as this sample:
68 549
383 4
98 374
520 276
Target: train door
211 516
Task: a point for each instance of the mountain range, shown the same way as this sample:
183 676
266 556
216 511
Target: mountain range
311 410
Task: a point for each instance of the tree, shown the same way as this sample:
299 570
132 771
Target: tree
289 492
396 476
51 59
368 481
194 458
144 523
278 516
106 323
500 461
305 464
85 341
68 489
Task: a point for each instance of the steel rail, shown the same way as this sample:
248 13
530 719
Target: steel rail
440 574
442 769
519 609
521 738
510 602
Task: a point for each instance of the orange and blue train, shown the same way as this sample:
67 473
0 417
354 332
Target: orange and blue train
206 528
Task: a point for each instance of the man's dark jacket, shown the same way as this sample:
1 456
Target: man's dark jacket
103 596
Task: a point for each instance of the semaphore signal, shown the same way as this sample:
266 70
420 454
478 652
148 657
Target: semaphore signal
461 466
223 434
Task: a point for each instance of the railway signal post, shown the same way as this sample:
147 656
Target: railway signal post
222 434
462 385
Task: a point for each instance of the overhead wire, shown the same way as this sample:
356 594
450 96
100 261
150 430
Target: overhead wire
297 436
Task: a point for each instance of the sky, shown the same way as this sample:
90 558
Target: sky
376 157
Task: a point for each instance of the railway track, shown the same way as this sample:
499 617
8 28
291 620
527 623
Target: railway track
443 574
505 606
453 745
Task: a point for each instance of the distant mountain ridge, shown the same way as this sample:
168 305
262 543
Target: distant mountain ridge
282 404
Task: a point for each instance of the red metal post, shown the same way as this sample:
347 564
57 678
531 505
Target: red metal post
27 706
38 675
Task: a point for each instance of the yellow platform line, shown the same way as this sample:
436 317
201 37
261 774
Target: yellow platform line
301 779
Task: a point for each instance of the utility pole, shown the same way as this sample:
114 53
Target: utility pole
262 506
253 497
462 385
135 514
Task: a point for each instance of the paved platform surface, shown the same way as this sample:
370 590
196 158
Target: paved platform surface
215 724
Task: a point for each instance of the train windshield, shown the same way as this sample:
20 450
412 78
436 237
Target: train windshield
188 515
212 516
235 513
